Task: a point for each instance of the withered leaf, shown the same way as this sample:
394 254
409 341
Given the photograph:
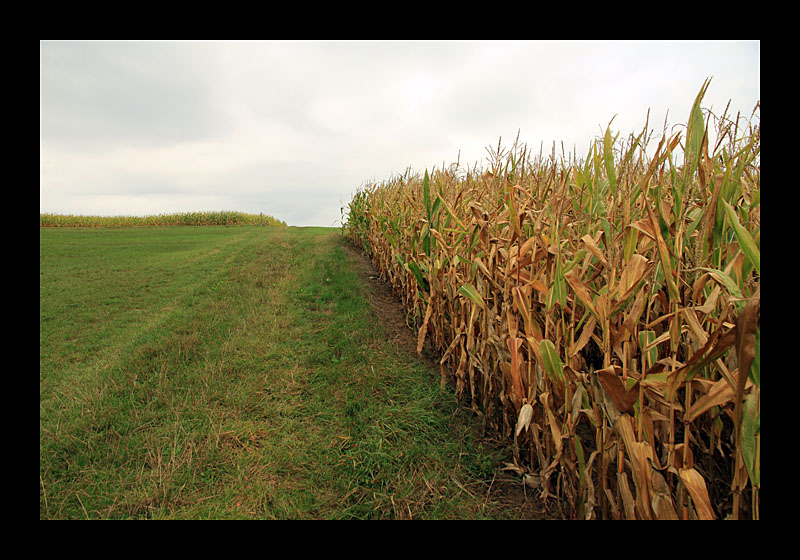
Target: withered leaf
622 398
696 485
524 419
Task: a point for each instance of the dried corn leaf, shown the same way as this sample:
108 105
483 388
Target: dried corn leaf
555 429
588 240
746 325
423 330
720 393
518 389
622 397
524 418
645 226
585 336
664 255
661 500
696 485
710 302
632 273
641 454
531 326
633 277
683 458
628 502
581 291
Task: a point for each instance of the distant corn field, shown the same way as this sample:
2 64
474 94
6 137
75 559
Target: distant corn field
603 314
223 218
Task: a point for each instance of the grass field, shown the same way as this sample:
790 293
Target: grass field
241 372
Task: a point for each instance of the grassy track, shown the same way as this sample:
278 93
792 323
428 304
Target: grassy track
217 372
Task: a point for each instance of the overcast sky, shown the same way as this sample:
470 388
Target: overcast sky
293 128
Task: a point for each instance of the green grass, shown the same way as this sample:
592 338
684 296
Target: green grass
230 373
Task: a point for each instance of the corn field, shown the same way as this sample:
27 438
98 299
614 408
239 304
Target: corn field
222 218
602 314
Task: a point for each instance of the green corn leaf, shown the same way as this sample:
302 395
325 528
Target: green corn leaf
695 131
551 361
751 427
427 243
629 153
645 338
426 194
746 243
437 206
755 367
558 289
608 160
581 460
415 269
450 212
725 280
472 294
575 260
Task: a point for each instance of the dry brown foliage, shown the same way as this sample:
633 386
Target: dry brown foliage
598 313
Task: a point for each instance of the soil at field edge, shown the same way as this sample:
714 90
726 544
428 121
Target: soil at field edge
506 491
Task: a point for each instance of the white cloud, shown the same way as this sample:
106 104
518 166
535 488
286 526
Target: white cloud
292 129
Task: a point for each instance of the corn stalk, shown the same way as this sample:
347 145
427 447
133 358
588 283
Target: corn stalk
601 313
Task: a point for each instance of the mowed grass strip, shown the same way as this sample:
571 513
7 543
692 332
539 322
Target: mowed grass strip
194 373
